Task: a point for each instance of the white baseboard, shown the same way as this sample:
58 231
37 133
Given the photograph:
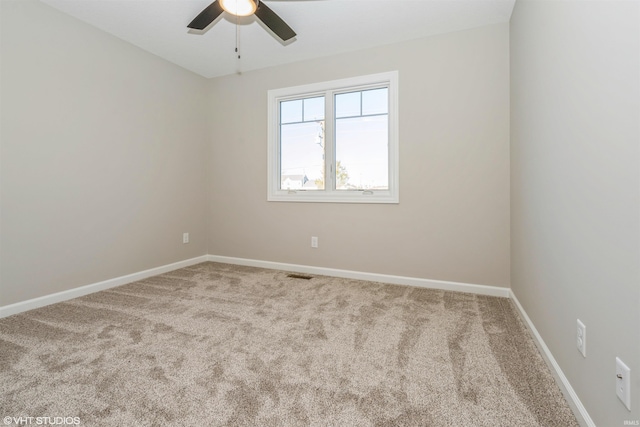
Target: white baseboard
31 304
372 277
569 393
19 307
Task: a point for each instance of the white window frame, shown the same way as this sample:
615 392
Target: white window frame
328 90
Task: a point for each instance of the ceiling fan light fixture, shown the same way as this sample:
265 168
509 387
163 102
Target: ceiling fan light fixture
239 7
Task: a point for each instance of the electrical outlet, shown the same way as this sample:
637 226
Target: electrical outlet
185 238
623 383
582 338
314 242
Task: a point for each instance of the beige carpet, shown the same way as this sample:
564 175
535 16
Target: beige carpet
219 345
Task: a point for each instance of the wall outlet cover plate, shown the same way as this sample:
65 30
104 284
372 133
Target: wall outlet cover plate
582 338
623 383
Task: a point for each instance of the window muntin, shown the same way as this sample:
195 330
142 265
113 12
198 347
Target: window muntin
362 103
345 130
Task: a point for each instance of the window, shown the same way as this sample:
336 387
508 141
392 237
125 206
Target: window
335 141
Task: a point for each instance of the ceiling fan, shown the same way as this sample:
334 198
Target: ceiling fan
243 8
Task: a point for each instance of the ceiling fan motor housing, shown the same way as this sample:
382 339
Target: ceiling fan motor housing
243 8
239 7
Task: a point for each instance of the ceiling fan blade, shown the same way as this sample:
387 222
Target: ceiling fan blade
207 16
274 22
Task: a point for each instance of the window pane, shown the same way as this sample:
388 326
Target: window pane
291 111
362 153
302 156
314 109
348 104
375 101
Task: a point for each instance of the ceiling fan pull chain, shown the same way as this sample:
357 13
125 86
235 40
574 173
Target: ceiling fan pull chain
237 37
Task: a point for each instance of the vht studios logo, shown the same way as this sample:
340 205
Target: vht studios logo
631 422
41 421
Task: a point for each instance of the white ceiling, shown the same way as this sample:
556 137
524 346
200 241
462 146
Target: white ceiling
324 27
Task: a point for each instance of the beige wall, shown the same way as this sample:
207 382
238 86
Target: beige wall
575 199
452 222
103 160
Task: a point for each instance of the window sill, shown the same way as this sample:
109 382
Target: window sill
347 196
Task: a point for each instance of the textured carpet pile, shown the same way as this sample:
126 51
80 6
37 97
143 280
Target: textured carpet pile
222 345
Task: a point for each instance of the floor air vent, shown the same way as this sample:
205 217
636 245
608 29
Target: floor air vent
299 276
